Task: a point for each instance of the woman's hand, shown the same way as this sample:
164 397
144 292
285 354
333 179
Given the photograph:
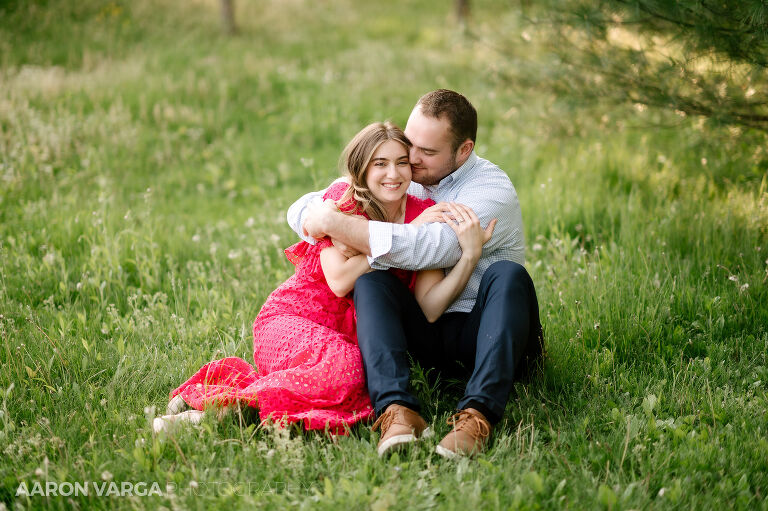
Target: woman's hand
340 271
345 249
467 227
431 214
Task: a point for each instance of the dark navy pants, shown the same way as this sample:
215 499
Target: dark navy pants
492 345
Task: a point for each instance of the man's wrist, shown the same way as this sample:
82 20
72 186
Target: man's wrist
328 222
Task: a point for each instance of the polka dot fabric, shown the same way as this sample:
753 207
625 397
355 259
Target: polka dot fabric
308 365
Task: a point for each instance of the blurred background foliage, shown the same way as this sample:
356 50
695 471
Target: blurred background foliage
702 58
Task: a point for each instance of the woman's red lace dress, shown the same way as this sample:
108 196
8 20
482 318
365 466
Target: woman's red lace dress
308 366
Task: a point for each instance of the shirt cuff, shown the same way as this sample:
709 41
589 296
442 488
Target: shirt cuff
379 241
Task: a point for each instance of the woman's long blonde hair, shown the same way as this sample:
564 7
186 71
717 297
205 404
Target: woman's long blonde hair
355 159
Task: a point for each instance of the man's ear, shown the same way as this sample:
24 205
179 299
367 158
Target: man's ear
465 149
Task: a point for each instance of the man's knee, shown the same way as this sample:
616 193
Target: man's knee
375 285
374 279
506 273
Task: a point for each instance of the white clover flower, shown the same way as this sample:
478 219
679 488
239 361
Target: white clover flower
106 475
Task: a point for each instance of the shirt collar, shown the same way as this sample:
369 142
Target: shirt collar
460 172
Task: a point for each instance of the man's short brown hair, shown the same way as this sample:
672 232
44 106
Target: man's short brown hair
461 115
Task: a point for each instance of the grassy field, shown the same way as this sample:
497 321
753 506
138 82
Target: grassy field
146 163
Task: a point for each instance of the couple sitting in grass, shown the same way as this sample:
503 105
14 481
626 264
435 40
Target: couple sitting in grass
417 251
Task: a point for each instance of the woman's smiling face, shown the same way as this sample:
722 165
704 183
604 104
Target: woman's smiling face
389 172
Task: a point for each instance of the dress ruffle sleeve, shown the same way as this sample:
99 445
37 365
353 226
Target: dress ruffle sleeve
306 257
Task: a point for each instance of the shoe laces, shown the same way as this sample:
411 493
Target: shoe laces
384 421
471 423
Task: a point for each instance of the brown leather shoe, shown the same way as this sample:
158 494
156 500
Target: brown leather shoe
470 434
400 426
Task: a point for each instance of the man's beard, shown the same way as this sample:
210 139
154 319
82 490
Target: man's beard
430 180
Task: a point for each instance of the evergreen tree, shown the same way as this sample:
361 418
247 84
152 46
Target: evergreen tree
697 57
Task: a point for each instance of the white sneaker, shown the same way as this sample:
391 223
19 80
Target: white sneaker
176 405
166 422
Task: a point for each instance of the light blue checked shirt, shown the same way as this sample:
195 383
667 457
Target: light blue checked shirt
479 184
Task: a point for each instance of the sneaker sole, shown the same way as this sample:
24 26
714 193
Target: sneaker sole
176 405
395 443
446 453
166 422
398 442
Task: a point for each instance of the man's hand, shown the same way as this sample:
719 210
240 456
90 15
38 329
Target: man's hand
317 218
432 214
346 250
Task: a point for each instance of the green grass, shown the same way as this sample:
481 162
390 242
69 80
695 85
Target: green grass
146 164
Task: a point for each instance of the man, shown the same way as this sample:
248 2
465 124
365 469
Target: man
490 333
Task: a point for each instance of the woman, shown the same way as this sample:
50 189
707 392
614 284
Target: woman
308 365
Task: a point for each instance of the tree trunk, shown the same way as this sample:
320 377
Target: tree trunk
228 16
462 12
